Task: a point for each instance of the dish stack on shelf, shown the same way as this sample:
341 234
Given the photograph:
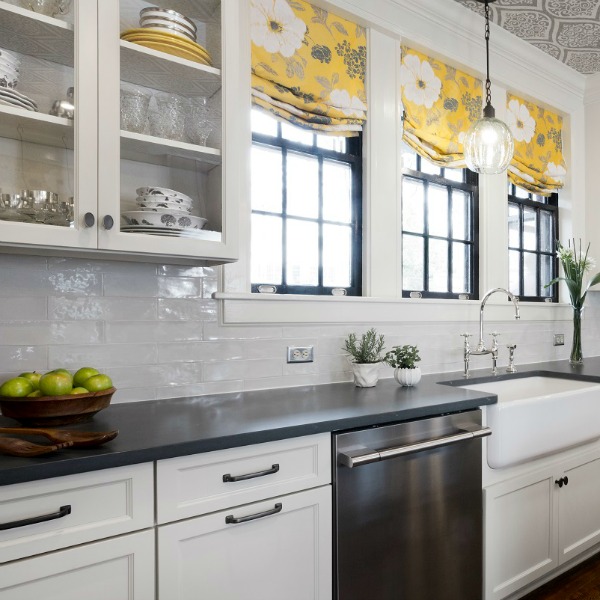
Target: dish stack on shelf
37 206
168 31
162 212
10 64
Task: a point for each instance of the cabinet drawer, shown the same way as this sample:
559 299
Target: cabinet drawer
202 483
102 504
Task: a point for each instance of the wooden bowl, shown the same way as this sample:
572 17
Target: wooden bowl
47 411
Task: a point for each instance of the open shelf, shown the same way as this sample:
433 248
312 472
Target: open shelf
27 32
40 128
158 70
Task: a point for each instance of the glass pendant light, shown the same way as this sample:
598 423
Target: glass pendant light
489 144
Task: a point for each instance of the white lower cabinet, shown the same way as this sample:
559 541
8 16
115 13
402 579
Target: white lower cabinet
537 522
117 569
283 551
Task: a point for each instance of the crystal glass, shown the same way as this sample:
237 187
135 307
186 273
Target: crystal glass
50 8
134 109
171 115
198 126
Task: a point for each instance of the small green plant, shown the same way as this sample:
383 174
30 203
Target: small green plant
366 350
403 357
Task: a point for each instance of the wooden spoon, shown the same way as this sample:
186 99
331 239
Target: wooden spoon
17 447
77 439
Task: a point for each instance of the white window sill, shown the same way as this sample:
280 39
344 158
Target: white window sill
238 309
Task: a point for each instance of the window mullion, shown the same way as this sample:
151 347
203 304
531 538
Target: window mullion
284 215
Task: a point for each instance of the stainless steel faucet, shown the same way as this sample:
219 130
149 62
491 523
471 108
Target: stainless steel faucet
481 347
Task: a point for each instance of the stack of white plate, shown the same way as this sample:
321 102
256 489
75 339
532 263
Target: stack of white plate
162 211
10 97
164 19
10 64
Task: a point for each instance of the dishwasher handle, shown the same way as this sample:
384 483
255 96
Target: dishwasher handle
366 456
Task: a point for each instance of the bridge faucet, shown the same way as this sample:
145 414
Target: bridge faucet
481 345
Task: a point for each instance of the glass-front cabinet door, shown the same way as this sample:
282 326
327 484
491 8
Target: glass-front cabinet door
162 140
48 132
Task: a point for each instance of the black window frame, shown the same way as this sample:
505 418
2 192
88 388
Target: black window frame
469 184
549 206
352 157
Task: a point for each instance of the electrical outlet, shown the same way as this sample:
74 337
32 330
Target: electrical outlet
300 354
559 339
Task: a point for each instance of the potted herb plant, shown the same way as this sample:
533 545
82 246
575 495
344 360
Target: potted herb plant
403 359
365 357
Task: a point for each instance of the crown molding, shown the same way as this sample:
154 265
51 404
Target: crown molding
592 89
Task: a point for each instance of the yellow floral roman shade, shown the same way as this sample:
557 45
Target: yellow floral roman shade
308 66
440 105
537 164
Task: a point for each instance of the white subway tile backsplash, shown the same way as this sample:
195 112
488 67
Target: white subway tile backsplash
102 356
43 283
199 351
187 309
23 308
175 374
123 332
51 332
214 331
106 309
101 266
135 285
17 359
242 369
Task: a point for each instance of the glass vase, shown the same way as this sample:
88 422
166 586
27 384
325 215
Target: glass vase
576 357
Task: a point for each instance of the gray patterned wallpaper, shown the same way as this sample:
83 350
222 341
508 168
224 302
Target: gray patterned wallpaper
568 30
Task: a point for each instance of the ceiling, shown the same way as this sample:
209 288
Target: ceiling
568 30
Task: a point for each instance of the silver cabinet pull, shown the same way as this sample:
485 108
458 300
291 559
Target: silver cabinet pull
366 456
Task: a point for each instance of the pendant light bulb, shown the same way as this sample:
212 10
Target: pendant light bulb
489 144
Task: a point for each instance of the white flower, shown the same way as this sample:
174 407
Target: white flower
420 83
520 122
555 171
350 106
274 26
589 263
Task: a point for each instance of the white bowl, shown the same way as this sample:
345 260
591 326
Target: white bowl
172 220
164 206
166 13
173 195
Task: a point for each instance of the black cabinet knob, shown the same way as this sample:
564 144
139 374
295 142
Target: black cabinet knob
89 219
566 480
108 222
560 482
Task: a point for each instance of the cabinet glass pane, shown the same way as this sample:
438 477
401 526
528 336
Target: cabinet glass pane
461 268
413 205
529 229
438 266
438 210
337 192
413 268
266 249
266 184
302 253
302 185
529 274
337 255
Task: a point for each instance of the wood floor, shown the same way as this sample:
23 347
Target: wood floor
580 583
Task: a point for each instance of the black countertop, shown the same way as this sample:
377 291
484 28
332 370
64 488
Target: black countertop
160 429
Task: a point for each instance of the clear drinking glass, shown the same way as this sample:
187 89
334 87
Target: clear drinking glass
171 111
50 8
134 109
198 126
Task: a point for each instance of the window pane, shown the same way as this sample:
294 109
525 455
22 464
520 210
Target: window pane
337 192
438 266
546 274
438 210
296 134
461 218
302 185
514 272
409 157
520 192
513 226
529 274
413 203
331 142
266 191
428 167
546 232
529 229
540 199
266 249
337 255
263 123
412 263
302 253
461 267
455 174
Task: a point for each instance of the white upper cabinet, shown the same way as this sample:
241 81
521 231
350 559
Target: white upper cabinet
142 102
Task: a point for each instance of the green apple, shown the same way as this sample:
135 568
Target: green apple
56 383
97 383
35 394
82 374
79 390
34 377
17 387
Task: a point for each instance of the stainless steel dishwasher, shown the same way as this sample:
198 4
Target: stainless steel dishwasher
408 510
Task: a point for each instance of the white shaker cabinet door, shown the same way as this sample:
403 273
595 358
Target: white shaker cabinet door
117 569
284 554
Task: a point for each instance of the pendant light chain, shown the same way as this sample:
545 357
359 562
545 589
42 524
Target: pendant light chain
488 84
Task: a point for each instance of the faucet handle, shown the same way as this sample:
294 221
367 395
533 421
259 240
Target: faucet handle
466 344
511 358
494 335
466 335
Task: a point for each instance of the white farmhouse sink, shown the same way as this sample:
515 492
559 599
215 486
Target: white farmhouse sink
537 415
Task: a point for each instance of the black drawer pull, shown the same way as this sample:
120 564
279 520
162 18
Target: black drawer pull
63 511
228 478
230 519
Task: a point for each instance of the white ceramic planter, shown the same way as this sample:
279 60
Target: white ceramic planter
407 377
365 374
